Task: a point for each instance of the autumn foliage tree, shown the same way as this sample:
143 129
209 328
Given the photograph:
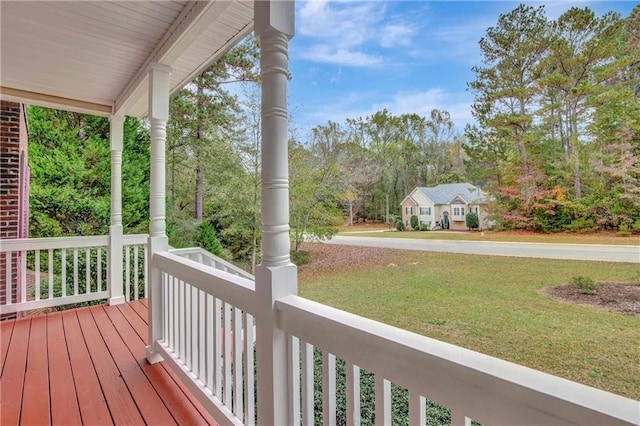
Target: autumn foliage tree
556 106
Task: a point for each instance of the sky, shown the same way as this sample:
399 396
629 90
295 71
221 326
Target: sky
351 59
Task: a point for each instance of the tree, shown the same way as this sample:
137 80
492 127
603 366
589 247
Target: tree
556 110
70 187
472 221
212 150
207 239
204 113
315 195
414 222
506 87
580 44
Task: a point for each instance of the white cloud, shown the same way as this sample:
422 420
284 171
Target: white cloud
453 42
396 35
422 102
345 24
346 33
341 56
360 104
336 77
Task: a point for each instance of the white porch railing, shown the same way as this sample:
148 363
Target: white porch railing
49 272
135 261
200 255
208 335
470 384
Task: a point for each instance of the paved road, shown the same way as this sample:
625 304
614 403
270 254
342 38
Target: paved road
608 253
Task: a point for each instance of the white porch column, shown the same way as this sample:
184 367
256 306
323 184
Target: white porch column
158 116
114 273
276 276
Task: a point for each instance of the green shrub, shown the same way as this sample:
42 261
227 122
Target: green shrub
582 225
585 285
423 227
399 226
207 239
300 257
414 222
436 414
623 230
472 221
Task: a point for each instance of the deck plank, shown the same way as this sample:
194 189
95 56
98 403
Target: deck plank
35 405
178 404
93 406
13 374
149 403
6 329
142 311
139 323
121 405
64 401
135 320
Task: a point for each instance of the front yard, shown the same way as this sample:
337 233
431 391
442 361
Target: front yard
494 305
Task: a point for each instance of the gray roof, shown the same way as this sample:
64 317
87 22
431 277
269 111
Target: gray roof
445 192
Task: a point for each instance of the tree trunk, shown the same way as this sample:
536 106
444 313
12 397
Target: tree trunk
199 182
199 171
521 146
173 177
575 154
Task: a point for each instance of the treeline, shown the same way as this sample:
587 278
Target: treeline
372 163
557 139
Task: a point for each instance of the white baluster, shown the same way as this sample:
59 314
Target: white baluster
63 271
383 401
36 274
328 388
417 409
249 386
50 272
307 384
353 394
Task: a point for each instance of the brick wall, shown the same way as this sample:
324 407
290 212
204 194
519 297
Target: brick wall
406 217
12 147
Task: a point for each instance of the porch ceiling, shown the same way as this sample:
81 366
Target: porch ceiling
94 56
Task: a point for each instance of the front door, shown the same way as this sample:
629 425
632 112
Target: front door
445 220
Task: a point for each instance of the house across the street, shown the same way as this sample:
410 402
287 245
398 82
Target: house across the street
445 206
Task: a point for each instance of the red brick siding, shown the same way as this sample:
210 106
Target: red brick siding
406 218
12 135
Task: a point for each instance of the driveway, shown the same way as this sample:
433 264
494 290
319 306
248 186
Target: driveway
606 253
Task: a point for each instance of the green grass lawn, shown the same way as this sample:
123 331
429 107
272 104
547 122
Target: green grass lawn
493 305
522 237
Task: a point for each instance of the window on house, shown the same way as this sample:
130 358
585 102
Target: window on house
456 211
426 211
409 210
462 211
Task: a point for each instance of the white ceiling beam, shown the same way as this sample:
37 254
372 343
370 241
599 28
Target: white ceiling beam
215 55
56 102
191 23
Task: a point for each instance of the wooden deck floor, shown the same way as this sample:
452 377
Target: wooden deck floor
88 366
